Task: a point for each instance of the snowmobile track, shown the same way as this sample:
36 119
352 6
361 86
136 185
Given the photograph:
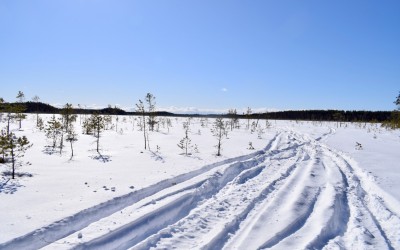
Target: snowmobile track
296 193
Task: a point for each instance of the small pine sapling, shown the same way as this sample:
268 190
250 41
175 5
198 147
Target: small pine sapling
98 124
54 130
40 124
15 147
87 128
218 131
232 113
260 132
151 106
196 149
248 116
142 122
185 142
20 108
169 124
68 116
253 127
3 146
71 138
267 124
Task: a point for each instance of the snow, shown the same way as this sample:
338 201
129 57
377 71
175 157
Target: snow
304 186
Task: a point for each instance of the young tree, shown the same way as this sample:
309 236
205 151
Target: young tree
114 112
248 116
19 115
140 109
87 128
71 138
3 146
185 142
107 122
40 124
260 132
168 123
232 113
267 124
54 130
151 107
19 108
68 116
15 147
98 124
218 131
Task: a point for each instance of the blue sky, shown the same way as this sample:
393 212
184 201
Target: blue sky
206 54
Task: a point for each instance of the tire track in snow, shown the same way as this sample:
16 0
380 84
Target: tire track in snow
249 190
232 226
338 219
319 197
335 229
328 217
71 224
132 233
291 207
363 200
121 238
359 227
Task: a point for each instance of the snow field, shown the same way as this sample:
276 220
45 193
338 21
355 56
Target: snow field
302 188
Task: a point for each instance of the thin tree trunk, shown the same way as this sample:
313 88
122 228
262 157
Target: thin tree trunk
72 150
98 138
61 142
8 125
148 141
219 141
219 147
12 159
144 131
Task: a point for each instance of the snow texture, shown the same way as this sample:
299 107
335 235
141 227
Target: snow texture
305 186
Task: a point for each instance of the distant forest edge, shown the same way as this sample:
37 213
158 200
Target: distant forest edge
306 115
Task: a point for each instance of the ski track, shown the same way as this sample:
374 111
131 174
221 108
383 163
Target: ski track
297 193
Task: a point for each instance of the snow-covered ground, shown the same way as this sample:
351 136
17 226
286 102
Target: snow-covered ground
303 186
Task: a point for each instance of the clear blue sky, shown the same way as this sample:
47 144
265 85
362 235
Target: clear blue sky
203 53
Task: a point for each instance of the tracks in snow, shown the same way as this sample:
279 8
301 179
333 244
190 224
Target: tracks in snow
297 193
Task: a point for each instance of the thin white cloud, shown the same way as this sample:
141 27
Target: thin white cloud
224 89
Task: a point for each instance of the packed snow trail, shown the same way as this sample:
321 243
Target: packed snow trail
71 224
296 194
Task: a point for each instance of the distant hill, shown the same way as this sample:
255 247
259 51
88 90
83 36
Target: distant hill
306 115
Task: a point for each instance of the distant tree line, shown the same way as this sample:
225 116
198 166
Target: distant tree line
306 115
327 115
